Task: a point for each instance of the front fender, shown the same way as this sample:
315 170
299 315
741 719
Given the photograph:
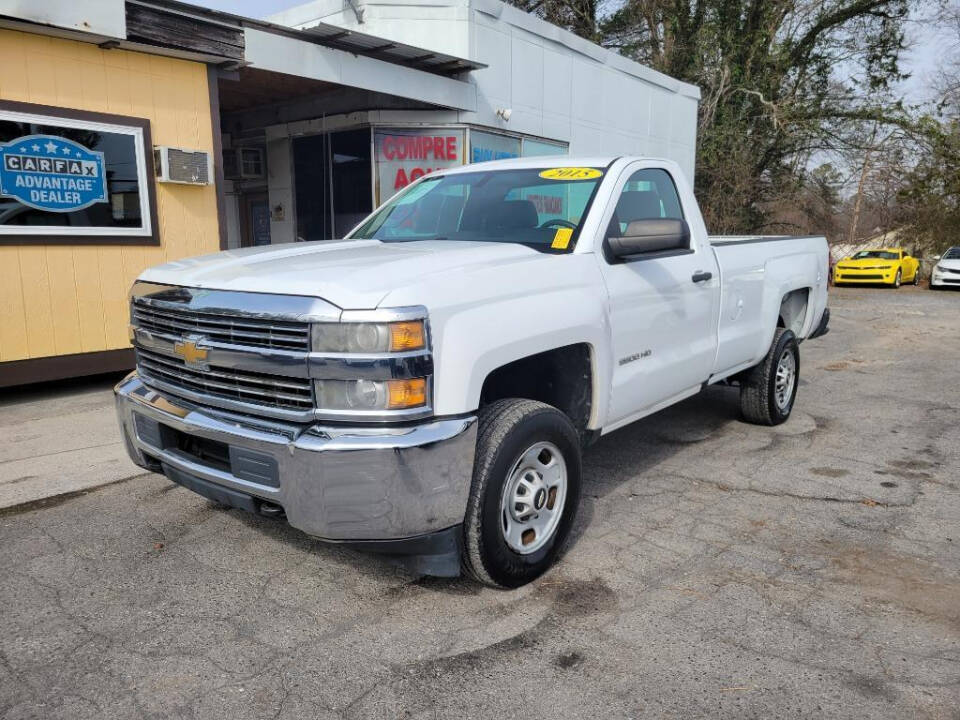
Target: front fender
482 320
476 341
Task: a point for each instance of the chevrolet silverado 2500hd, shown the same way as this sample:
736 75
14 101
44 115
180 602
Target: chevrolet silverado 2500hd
424 387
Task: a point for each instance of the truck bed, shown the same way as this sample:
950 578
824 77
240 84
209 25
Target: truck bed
747 239
757 272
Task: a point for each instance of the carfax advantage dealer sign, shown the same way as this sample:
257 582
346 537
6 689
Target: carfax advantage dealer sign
52 173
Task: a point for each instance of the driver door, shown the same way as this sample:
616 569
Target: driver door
662 307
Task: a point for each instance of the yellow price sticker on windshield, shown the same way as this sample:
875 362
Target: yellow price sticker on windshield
561 238
571 173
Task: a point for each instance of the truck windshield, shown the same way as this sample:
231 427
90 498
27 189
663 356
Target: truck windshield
540 207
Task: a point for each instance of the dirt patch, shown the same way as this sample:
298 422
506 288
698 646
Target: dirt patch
833 367
572 601
17 480
829 472
911 464
582 599
569 660
905 474
55 500
872 687
910 583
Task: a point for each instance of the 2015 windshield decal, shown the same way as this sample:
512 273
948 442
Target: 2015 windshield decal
571 173
52 173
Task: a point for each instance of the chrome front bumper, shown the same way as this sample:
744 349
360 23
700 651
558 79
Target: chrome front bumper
336 483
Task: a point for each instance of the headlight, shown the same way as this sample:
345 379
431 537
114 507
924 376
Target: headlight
371 395
369 337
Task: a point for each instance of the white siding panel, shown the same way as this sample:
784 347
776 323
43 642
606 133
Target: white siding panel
556 82
527 74
556 126
493 82
587 95
661 114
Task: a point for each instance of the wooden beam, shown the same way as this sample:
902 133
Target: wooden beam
173 30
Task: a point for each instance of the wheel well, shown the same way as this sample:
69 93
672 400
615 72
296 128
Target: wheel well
562 377
793 310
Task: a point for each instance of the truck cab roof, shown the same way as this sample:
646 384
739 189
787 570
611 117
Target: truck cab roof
542 161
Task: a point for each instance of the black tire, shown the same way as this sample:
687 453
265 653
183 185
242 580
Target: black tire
916 277
758 400
507 428
897 280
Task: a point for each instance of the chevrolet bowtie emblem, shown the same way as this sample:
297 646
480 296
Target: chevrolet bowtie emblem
193 355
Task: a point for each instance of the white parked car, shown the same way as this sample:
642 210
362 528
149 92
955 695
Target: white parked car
946 273
424 387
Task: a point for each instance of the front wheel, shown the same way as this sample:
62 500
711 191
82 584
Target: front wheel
524 494
897 280
768 389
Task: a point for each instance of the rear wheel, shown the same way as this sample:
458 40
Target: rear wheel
916 276
525 492
768 389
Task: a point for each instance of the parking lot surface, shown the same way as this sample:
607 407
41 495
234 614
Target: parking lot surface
718 569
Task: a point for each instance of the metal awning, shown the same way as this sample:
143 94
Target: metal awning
389 51
206 22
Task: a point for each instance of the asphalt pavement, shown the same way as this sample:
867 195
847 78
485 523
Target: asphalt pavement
718 569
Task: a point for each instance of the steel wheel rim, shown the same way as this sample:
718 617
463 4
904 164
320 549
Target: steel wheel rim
533 498
786 378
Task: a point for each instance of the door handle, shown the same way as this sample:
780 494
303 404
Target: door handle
700 276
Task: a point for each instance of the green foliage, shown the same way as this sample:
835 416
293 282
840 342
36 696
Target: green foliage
930 196
781 81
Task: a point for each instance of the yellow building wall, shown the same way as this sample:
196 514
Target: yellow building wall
63 299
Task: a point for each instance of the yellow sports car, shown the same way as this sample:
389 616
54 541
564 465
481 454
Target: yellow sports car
887 266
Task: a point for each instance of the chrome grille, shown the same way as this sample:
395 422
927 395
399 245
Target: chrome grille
285 393
246 330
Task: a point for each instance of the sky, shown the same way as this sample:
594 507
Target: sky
929 43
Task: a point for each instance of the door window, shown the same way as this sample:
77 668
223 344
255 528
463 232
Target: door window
648 194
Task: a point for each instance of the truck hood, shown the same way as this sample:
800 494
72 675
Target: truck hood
352 274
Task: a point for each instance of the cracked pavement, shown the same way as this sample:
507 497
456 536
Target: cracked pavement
718 570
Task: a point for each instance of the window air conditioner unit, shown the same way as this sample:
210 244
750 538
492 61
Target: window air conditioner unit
188 167
243 163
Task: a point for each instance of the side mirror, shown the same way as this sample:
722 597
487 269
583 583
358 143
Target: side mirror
648 236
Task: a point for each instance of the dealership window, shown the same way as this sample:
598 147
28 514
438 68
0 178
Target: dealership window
535 148
350 166
404 155
490 146
312 182
332 181
70 176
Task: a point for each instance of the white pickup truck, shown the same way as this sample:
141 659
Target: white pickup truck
424 387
